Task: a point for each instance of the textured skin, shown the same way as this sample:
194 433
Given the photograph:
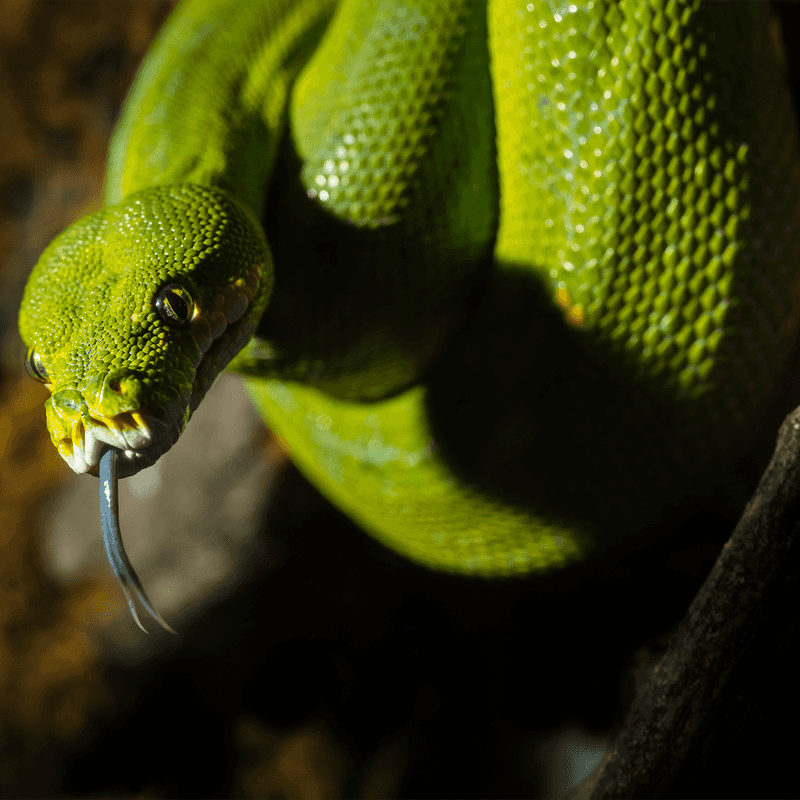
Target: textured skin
534 263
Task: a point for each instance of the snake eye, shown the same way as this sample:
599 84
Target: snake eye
34 366
174 305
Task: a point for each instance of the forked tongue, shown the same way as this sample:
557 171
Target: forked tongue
112 538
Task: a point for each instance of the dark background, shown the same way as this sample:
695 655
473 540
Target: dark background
331 667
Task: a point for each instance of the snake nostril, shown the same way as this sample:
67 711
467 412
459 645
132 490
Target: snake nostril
115 386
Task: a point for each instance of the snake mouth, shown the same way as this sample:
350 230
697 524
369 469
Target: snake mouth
141 436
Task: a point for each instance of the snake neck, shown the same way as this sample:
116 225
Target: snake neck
208 105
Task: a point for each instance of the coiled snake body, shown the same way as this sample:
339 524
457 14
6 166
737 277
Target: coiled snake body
525 274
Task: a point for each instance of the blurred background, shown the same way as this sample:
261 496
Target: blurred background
311 661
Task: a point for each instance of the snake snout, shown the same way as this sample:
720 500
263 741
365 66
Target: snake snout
108 413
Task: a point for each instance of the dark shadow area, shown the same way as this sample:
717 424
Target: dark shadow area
345 631
546 416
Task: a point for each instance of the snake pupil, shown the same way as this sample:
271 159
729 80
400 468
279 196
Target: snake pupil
174 305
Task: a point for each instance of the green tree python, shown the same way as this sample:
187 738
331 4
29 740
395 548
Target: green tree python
510 277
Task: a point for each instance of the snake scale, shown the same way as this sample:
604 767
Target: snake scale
511 278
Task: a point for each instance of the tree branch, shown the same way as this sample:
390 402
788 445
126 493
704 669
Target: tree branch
707 697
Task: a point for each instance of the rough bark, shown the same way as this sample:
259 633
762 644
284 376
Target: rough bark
715 699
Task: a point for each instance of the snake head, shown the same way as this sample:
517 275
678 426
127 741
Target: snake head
132 312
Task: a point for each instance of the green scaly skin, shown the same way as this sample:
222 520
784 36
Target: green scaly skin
531 271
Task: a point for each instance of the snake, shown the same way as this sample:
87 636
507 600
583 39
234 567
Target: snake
511 279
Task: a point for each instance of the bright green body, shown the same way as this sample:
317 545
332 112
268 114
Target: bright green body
532 264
